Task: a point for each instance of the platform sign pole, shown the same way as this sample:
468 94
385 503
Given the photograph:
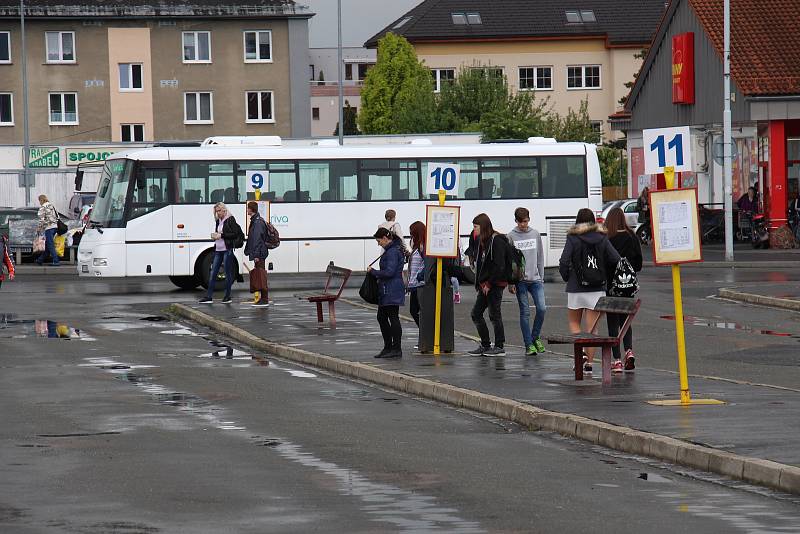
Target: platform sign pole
437 325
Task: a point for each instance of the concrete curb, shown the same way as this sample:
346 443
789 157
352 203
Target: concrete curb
754 470
762 300
777 264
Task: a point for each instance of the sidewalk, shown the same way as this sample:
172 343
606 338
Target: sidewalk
784 294
712 433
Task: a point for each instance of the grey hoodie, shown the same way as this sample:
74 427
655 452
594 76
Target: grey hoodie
530 243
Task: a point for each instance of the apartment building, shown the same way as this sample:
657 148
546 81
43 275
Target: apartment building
128 71
565 51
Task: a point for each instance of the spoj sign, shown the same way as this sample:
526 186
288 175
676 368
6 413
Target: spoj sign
76 156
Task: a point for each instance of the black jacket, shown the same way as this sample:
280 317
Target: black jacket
628 247
230 229
577 235
490 266
256 246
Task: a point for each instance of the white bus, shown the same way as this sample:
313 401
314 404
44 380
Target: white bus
153 213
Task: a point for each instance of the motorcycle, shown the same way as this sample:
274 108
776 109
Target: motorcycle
760 231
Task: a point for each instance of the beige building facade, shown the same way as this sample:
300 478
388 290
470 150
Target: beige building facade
565 72
165 77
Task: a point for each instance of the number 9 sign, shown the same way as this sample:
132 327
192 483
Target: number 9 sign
443 176
256 180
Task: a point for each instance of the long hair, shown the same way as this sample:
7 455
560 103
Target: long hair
485 223
219 205
417 231
615 222
585 215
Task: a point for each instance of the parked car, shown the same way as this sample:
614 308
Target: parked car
11 214
628 206
78 201
21 224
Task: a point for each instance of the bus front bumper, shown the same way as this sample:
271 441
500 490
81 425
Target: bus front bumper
106 260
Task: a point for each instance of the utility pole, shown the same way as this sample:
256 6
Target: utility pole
26 134
340 76
727 158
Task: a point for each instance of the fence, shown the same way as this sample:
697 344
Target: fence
615 192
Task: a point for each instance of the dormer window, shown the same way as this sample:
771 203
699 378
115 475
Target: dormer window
459 19
401 23
580 16
462 19
474 18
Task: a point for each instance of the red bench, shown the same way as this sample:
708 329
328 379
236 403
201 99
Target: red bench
619 305
334 284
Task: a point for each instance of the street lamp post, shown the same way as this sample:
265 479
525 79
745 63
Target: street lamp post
340 76
26 133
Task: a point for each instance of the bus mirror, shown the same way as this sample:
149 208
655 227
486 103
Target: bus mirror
78 179
141 183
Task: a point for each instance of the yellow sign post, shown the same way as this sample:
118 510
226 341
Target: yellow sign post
437 325
676 239
256 294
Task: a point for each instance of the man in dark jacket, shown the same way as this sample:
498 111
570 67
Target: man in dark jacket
256 250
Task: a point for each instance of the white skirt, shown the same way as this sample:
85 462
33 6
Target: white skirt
577 301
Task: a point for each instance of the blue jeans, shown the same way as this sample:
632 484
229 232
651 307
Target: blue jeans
536 289
49 247
219 257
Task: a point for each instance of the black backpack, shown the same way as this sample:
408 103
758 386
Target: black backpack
238 240
589 265
515 263
624 283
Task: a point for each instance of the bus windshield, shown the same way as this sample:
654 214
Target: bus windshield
109 207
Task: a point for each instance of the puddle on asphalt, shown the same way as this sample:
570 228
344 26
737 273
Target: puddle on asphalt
44 328
727 325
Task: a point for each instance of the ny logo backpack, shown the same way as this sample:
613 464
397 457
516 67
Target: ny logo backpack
589 266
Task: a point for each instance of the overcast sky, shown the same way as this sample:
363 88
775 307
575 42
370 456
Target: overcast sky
361 19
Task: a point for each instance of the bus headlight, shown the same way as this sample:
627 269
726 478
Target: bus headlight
100 262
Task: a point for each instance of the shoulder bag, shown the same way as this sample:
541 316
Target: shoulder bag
369 287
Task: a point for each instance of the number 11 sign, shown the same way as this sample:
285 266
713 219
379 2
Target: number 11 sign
667 147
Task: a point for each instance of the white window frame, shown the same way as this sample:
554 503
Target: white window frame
196 47
130 78
8 40
63 109
244 47
437 77
197 107
535 78
11 98
583 78
248 120
61 48
132 132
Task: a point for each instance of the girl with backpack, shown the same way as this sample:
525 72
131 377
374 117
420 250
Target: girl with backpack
416 267
587 256
490 281
625 242
227 237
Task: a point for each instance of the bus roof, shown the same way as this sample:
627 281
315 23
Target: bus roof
215 153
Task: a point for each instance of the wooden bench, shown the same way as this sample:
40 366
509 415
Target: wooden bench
619 305
337 278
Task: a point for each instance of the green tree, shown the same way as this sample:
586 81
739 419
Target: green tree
575 126
476 90
520 117
350 125
613 165
641 54
397 96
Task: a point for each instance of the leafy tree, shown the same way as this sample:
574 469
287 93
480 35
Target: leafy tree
396 90
519 117
641 54
475 91
613 166
350 125
575 126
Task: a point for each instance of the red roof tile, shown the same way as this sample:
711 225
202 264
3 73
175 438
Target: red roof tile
765 42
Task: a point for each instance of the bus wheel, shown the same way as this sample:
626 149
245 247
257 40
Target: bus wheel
185 282
204 272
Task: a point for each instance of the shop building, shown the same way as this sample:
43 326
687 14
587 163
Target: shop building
681 84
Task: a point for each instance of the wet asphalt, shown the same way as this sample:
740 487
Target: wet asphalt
138 424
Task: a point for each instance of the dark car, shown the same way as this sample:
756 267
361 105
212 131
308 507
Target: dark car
12 214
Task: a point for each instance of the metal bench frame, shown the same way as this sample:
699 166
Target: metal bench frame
330 293
582 340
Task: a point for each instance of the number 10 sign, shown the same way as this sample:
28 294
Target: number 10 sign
667 147
443 176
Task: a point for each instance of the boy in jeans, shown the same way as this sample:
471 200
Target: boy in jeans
529 241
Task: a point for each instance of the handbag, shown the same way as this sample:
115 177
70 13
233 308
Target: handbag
61 228
369 287
38 244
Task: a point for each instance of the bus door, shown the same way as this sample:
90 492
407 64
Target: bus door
147 235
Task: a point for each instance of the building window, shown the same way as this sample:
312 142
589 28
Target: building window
580 17
60 47
474 18
462 19
130 77
260 106
132 133
63 108
311 72
583 77
539 78
258 46
198 108
597 127
360 70
492 72
6 109
5 47
197 47
315 114
441 77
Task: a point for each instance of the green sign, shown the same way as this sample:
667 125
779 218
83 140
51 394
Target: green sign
76 156
43 157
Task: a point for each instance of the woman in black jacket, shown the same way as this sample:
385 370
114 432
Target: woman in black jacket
227 235
490 281
625 242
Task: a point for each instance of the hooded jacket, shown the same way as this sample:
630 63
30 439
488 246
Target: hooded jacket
391 288
48 218
577 235
530 243
490 265
256 246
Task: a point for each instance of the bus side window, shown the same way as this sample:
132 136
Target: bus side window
563 176
151 191
282 182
